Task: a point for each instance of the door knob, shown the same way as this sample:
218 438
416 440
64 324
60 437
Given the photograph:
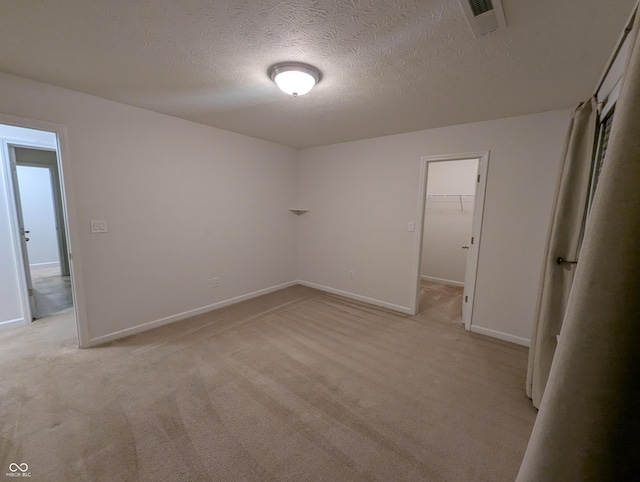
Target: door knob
465 246
26 239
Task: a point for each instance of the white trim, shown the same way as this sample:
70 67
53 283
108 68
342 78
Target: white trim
474 250
442 281
611 100
11 323
231 301
473 257
615 72
372 301
48 264
501 336
614 68
185 314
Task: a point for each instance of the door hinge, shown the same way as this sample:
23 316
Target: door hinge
478 178
466 299
30 291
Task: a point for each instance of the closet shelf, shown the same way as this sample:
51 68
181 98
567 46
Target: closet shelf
298 211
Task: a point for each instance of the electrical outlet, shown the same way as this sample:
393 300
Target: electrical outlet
351 274
209 283
215 282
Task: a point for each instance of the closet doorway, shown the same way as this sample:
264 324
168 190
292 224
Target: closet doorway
450 213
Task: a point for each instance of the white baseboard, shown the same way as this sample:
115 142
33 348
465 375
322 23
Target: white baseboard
11 323
52 264
185 314
231 301
501 336
442 281
353 296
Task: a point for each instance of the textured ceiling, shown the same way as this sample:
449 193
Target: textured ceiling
388 66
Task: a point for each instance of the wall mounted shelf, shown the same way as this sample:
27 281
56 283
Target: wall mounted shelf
297 211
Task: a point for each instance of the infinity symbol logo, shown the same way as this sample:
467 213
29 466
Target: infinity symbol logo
18 467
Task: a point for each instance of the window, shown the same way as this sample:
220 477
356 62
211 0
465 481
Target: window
604 132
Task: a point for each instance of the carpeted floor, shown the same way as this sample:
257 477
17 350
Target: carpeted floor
296 385
441 301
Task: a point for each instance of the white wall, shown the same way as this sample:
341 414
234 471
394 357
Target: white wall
38 214
447 222
361 195
11 309
184 202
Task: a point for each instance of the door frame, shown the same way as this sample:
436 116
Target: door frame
72 230
476 230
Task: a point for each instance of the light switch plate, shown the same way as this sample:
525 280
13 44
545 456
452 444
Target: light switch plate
98 226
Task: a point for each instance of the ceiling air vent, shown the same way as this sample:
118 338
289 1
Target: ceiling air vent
484 16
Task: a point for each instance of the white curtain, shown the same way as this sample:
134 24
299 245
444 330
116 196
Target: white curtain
588 426
563 242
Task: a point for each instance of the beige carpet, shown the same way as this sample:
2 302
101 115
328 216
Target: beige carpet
296 385
441 301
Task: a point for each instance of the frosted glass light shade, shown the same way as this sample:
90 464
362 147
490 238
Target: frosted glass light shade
294 78
294 82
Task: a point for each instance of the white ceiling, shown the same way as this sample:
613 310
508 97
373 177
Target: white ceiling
388 66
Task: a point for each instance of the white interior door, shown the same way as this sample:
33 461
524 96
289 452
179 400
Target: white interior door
473 245
24 234
466 305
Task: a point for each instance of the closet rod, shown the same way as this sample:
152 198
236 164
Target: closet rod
450 195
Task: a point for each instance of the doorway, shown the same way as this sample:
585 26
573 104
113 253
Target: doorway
40 199
450 220
36 221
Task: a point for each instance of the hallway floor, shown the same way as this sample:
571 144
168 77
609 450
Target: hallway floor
52 291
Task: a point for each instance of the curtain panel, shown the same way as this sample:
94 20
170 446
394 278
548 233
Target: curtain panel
588 426
563 242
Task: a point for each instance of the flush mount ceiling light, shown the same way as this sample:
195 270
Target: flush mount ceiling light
294 78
